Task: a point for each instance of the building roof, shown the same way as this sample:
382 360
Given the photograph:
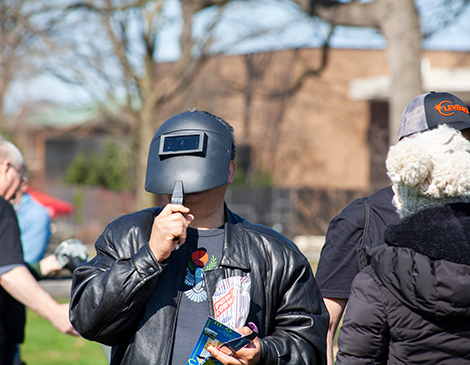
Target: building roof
454 80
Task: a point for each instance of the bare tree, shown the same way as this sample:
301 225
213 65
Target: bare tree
398 20
110 48
265 84
119 62
24 27
399 23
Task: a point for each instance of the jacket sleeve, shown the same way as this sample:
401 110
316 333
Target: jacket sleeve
364 335
298 329
109 291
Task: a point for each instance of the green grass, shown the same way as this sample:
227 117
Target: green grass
44 345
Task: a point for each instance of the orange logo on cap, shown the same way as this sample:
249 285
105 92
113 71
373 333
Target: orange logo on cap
449 109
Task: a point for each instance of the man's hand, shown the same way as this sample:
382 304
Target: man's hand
248 355
61 320
49 265
169 228
22 286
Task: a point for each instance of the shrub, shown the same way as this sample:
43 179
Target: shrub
110 170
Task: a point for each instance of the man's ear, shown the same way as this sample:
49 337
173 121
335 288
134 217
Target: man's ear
5 165
231 171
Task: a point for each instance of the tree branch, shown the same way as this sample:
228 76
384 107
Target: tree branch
294 88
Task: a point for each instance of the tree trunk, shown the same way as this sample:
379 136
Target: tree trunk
400 26
398 21
145 134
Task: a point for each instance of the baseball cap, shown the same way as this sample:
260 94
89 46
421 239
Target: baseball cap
428 111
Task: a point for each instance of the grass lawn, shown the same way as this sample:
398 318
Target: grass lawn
44 345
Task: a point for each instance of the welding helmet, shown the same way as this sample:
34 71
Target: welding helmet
192 148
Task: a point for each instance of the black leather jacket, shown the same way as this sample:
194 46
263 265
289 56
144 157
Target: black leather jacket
124 298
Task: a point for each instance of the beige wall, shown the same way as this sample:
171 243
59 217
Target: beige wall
316 137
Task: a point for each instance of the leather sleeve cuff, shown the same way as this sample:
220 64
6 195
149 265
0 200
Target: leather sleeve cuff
146 264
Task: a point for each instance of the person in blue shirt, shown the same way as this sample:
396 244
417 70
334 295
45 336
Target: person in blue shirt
34 222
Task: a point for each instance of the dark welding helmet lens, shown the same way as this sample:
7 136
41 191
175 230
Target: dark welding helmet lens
183 144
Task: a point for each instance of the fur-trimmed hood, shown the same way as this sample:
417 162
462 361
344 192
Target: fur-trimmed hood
428 169
425 262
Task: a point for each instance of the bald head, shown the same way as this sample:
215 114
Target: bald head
11 169
8 151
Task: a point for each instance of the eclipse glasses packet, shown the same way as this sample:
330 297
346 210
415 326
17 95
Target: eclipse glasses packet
216 334
232 301
231 307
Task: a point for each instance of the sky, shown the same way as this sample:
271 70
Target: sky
292 29
296 29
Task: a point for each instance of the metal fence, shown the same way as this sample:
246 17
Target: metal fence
304 212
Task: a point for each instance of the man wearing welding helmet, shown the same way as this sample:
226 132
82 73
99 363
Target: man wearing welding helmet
159 273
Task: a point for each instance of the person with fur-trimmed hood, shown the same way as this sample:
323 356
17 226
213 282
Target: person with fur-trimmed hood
412 304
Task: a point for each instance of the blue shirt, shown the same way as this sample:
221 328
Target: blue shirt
34 222
205 247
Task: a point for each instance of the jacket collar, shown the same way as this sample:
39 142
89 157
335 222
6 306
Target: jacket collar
440 232
235 249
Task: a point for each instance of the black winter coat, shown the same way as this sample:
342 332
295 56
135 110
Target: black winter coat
412 305
125 298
